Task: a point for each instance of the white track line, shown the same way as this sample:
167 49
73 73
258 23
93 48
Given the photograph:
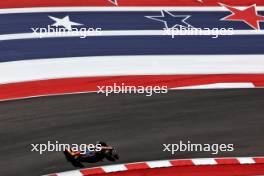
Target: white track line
114 168
206 161
115 9
70 173
245 160
32 35
219 86
157 164
42 69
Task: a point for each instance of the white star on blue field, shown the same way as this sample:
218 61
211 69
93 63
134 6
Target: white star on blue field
64 22
171 21
114 2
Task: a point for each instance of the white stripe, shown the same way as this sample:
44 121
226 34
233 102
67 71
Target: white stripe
114 168
210 33
104 9
206 161
70 173
220 86
156 164
246 160
29 70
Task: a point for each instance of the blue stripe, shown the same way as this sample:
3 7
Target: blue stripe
21 23
132 45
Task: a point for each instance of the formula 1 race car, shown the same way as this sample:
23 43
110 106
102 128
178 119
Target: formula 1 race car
107 152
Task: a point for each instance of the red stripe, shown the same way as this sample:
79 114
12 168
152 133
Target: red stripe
92 171
181 162
259 160
216 170
188 2
54 3
135 166
227 161
73 85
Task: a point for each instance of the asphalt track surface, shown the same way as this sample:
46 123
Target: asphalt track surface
135 124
